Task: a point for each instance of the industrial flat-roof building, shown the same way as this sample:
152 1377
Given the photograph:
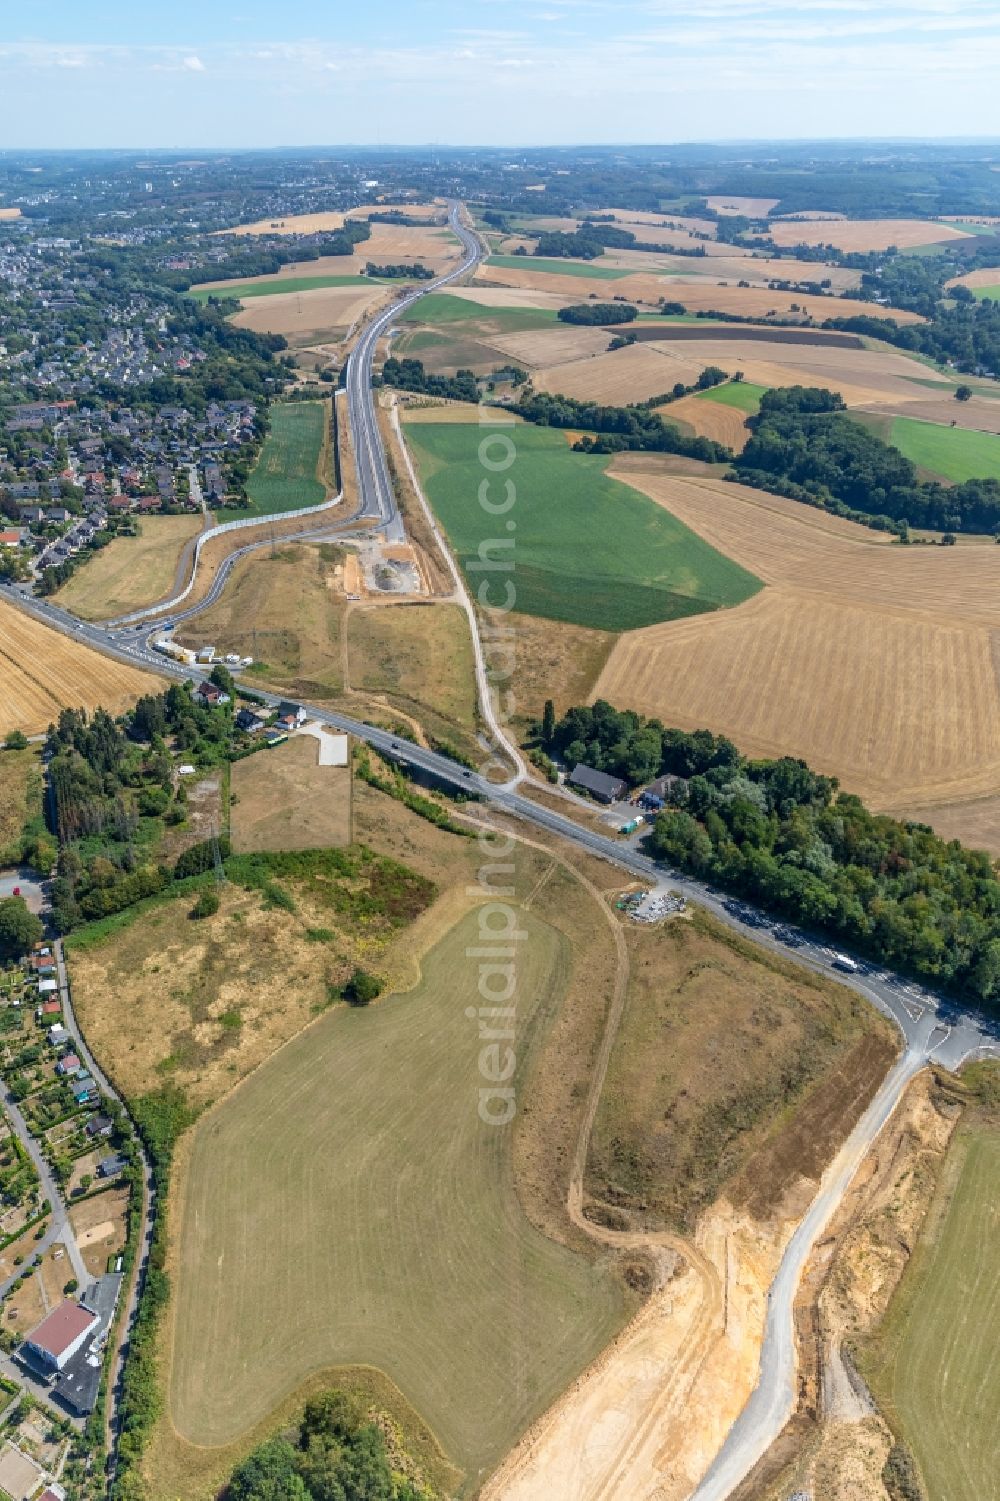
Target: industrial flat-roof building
53 1342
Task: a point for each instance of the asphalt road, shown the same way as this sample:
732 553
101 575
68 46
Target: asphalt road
377 497
933 1028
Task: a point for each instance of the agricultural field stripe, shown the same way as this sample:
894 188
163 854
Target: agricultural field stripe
590 550
559 267
279 286
955 453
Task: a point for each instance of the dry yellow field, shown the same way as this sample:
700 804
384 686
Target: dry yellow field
709 419
131 571
311 224
864 377
726 263
507 297
863 234
701 294
554 346
43 671
754 208
985 276
10 213
873 662
283 799
308 317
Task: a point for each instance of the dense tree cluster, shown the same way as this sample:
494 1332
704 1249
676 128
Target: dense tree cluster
400 271
617 428
779 833
410 375
112 791
802 436
19 927
597 312
337 1454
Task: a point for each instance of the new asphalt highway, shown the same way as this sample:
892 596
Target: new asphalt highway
933 1028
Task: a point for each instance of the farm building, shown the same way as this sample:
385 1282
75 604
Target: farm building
605 788
58 1337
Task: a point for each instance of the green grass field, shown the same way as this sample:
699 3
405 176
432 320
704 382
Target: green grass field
442 308
559 267
286 476
589 550
278 286
981 293
742 394
937 1362
347 1206
956 453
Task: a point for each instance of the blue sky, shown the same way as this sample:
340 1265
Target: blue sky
244 73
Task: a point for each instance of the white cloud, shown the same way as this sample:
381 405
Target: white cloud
194 64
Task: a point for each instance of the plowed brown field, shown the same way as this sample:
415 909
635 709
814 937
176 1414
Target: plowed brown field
863 234
873 662
43 671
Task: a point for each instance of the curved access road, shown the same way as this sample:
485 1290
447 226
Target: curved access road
773 1399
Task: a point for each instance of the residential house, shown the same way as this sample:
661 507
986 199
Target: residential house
290 716
250 720
211 694
68 1064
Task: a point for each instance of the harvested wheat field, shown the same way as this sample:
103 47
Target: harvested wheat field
726 263
985 276
863 234
43 671
554 346
864 377
978 414
308 317
709 419
873 662
313 224
507 297
10 213
703 293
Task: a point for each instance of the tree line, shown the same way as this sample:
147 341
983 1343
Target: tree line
801 436
410 375
775 831
617 428
597 312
